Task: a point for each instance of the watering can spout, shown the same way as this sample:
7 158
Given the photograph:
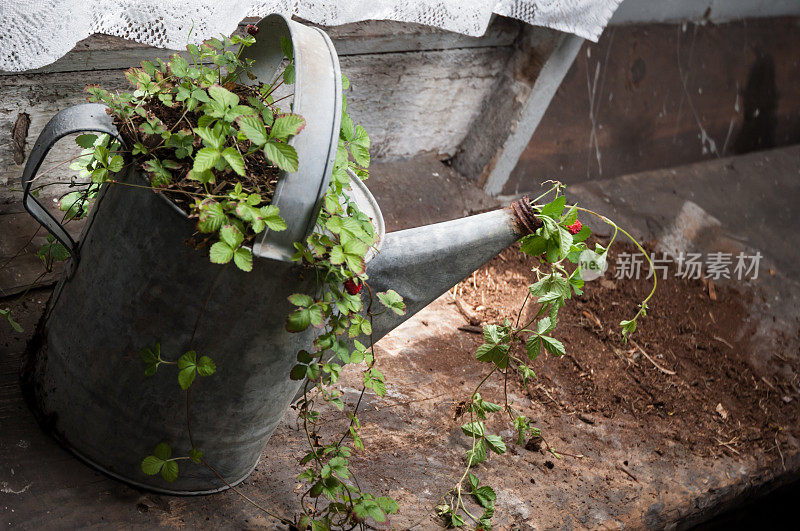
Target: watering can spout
422 263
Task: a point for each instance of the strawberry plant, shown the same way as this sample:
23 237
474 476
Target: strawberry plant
216 147
509 347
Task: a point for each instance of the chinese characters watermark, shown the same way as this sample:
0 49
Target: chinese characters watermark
714 266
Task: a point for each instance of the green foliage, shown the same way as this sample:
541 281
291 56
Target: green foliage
335 254
151 357
189 366
373 379
393 301
496 348
350 253
556 247
196 455
6 314
51 252
224 144
99 159
522 425
160 461
306 315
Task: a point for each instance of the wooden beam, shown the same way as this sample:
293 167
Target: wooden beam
509 117
106 52
530 115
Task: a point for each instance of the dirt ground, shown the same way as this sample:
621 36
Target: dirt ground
685 375
653 432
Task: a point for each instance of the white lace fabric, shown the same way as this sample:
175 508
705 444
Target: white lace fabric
35 33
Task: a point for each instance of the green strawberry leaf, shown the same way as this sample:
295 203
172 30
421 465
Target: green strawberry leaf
553 346
205 159
287 125
170 471
282 155
393 301
231 235
270 215
253 128
86 141
151 465
243 259
221 253
234 158
223 95
496 444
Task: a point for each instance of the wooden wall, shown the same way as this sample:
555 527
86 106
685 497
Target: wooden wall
660 95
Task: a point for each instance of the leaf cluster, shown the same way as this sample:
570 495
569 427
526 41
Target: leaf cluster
335 254
189 364
224 132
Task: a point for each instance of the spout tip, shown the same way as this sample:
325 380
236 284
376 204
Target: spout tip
527 222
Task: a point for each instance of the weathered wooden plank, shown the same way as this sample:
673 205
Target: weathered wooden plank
639 11
511 113
661 95
544 88
107 52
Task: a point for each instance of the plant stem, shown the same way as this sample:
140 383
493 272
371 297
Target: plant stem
643 304
278 517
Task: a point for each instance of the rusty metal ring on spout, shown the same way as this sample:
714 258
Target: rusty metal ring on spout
526 215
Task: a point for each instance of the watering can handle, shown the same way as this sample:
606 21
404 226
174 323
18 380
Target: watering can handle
87 117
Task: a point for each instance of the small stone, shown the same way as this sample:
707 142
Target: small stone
607 284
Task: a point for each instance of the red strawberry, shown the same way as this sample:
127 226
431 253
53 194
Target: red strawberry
352 288
575 228
252 30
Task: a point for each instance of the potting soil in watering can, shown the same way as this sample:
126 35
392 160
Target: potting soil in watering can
132 281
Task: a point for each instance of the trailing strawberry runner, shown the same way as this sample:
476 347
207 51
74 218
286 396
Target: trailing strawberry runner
241 224
558 241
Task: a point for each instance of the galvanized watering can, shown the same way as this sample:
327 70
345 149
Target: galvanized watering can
132 281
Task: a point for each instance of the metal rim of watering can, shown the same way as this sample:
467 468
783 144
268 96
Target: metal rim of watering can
160 490
318 99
